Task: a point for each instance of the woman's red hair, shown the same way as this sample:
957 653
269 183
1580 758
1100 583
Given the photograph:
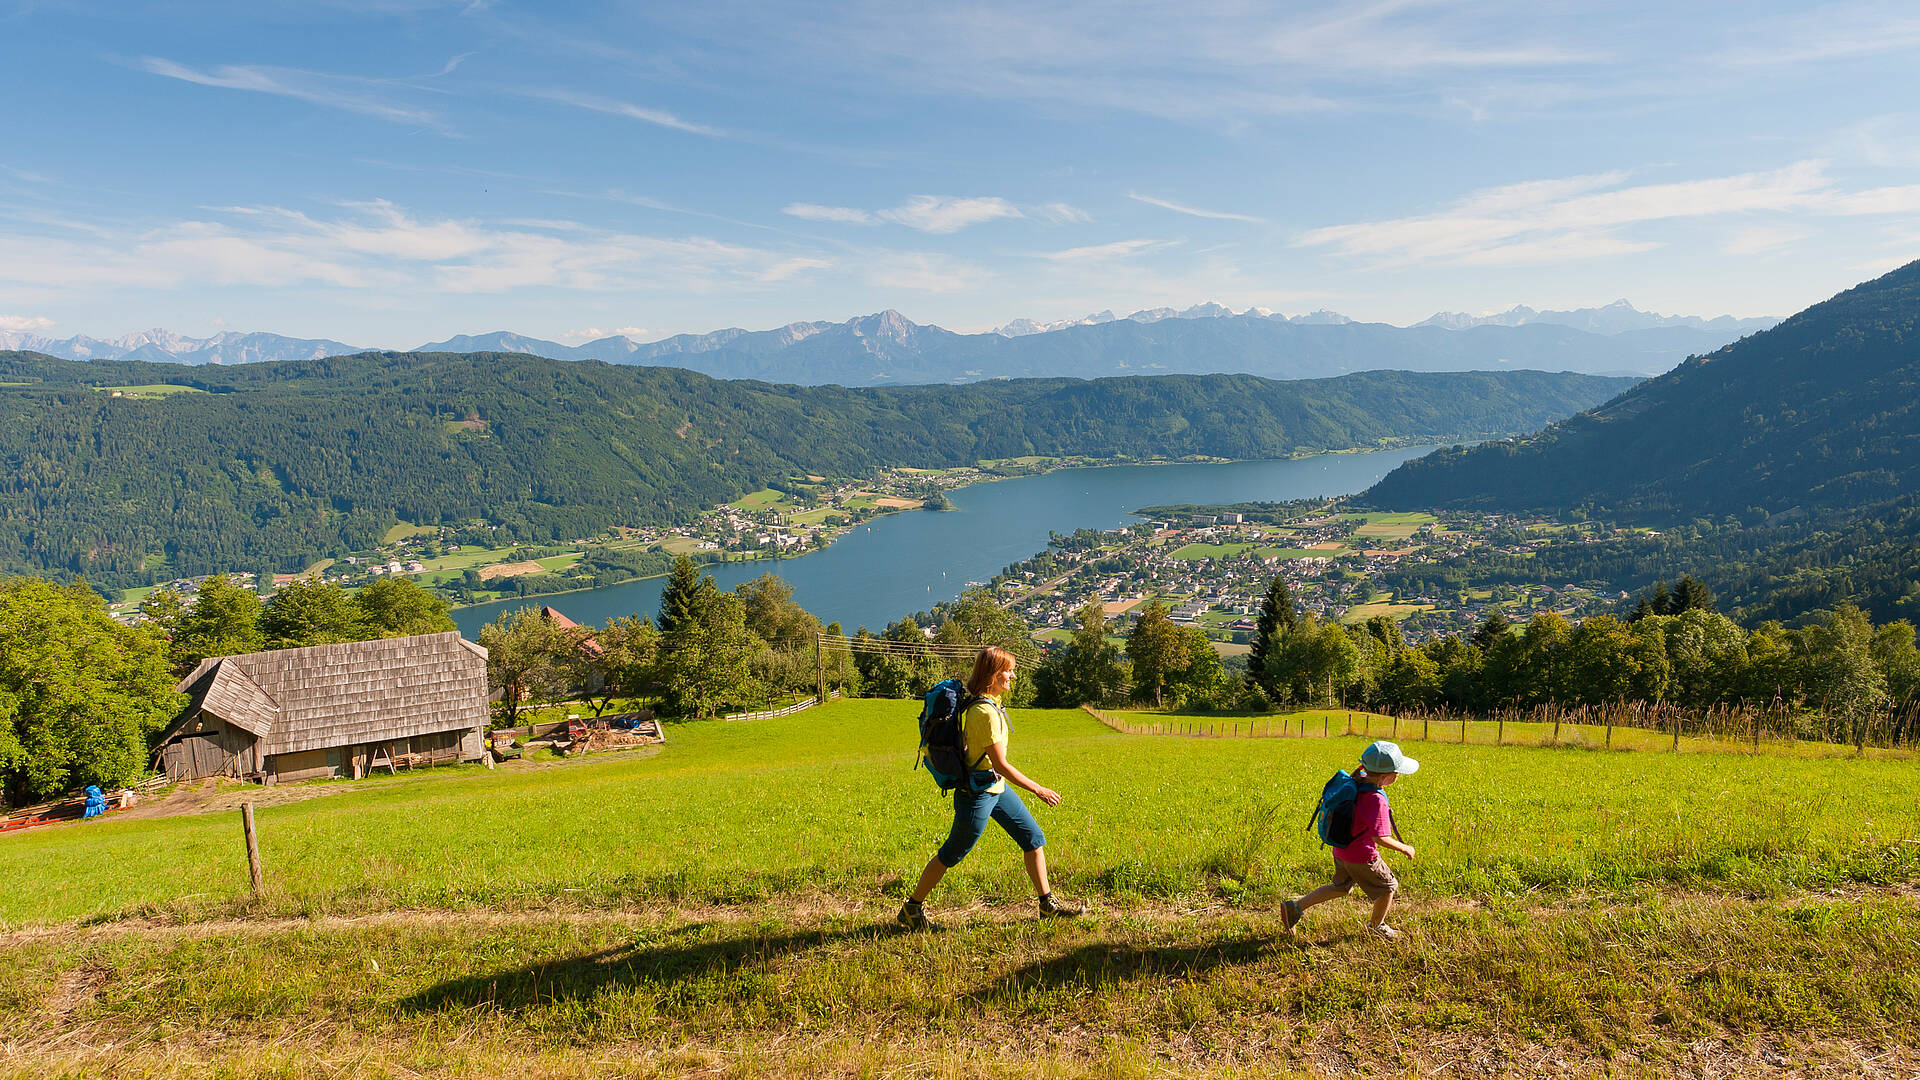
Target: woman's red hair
988 667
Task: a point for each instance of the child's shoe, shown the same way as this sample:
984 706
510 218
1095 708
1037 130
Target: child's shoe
1384 931
913 916
1054 909
1290 913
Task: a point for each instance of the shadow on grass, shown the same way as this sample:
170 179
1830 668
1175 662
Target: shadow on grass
1102 964
583 977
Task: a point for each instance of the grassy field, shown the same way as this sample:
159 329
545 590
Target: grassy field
723 909
149 390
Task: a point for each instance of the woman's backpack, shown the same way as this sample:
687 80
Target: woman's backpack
943 738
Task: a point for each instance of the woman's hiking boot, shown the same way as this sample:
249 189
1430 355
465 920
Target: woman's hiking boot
913 916
1290 913
1054 909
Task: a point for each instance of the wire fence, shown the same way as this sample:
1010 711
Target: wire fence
1617 726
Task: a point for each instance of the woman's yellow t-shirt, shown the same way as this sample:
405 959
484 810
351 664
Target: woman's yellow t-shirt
983 724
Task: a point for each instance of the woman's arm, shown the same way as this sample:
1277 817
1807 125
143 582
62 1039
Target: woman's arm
997 753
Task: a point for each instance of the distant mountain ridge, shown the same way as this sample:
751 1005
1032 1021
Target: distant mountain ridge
1615 318
1817 414
887 348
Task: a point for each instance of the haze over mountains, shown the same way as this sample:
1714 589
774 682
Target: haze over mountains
889 349
1818 414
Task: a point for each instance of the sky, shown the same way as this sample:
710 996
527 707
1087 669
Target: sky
391 172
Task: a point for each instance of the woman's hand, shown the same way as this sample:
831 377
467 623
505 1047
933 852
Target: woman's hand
1047 795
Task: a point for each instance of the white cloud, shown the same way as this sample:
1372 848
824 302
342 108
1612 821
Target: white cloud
1063 214
21 323
1832 32
377 246
845 215
311 87
1762 239
947 214
595 333
1218 215
1583 217
927 213
642 113
1119 249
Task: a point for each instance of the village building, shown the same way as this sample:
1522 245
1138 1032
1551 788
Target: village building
331 710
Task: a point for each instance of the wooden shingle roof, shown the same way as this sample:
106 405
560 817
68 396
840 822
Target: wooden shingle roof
336 695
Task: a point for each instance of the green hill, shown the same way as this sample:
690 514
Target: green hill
1817 414
280 464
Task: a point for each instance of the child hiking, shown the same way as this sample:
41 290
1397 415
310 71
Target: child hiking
1355 820
982 792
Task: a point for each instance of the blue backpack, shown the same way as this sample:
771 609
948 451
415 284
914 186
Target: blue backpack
1333 817
943 739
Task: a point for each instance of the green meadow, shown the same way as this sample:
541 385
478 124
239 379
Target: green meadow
724 908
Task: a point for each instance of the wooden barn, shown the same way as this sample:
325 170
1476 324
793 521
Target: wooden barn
331 710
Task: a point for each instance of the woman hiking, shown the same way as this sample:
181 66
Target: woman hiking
984 730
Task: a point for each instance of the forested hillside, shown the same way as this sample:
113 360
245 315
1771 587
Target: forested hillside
191 470
1816 414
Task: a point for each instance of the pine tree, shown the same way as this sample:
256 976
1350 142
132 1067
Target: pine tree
1275 623
686 588
1490 631
1690 595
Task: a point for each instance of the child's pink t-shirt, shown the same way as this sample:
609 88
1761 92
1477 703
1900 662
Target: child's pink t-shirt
1372 819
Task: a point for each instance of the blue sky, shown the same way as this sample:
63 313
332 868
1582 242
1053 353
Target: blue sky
393 171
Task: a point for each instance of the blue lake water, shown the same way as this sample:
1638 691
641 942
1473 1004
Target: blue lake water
902 563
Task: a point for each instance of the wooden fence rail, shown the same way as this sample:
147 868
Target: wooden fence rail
768 714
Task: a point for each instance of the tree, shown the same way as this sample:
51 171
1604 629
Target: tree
309 611
80 695
1841 673
1157 650
1689 595
1270 630
1411 680
528 657
1490 631
224 620
976 621
1201 682
399 607
629 650
686 589
773 616
1088 671
1898 660
704 658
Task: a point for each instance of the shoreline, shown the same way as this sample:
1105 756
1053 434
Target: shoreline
1039 468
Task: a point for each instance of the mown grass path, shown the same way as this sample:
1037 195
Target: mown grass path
724 908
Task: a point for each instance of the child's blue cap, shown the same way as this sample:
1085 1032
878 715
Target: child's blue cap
1384 756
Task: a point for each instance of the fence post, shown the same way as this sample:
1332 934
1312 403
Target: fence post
1500 731
1463 731
1756 732
1326 724
253 848
1426 725
1676 731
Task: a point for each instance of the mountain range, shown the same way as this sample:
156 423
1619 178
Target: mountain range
281 464
889 349
1820 415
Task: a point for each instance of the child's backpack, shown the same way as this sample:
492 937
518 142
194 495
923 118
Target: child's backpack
1333 817
943 739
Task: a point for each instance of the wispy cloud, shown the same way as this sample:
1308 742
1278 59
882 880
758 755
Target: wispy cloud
1829 33
380 246
1192 211
611 107
595 333
25 323
926 272
1119 249
1585 217
927 213
314 88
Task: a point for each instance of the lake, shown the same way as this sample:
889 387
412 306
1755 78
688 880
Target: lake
896 565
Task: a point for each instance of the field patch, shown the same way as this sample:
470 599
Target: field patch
148 390
510 569
759 500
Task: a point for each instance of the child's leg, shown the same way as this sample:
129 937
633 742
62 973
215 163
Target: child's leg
1321 895
1381 904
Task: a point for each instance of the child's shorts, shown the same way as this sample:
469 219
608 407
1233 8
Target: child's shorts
1374 878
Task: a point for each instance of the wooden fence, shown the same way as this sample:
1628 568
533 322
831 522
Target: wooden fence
768 714
1624 726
